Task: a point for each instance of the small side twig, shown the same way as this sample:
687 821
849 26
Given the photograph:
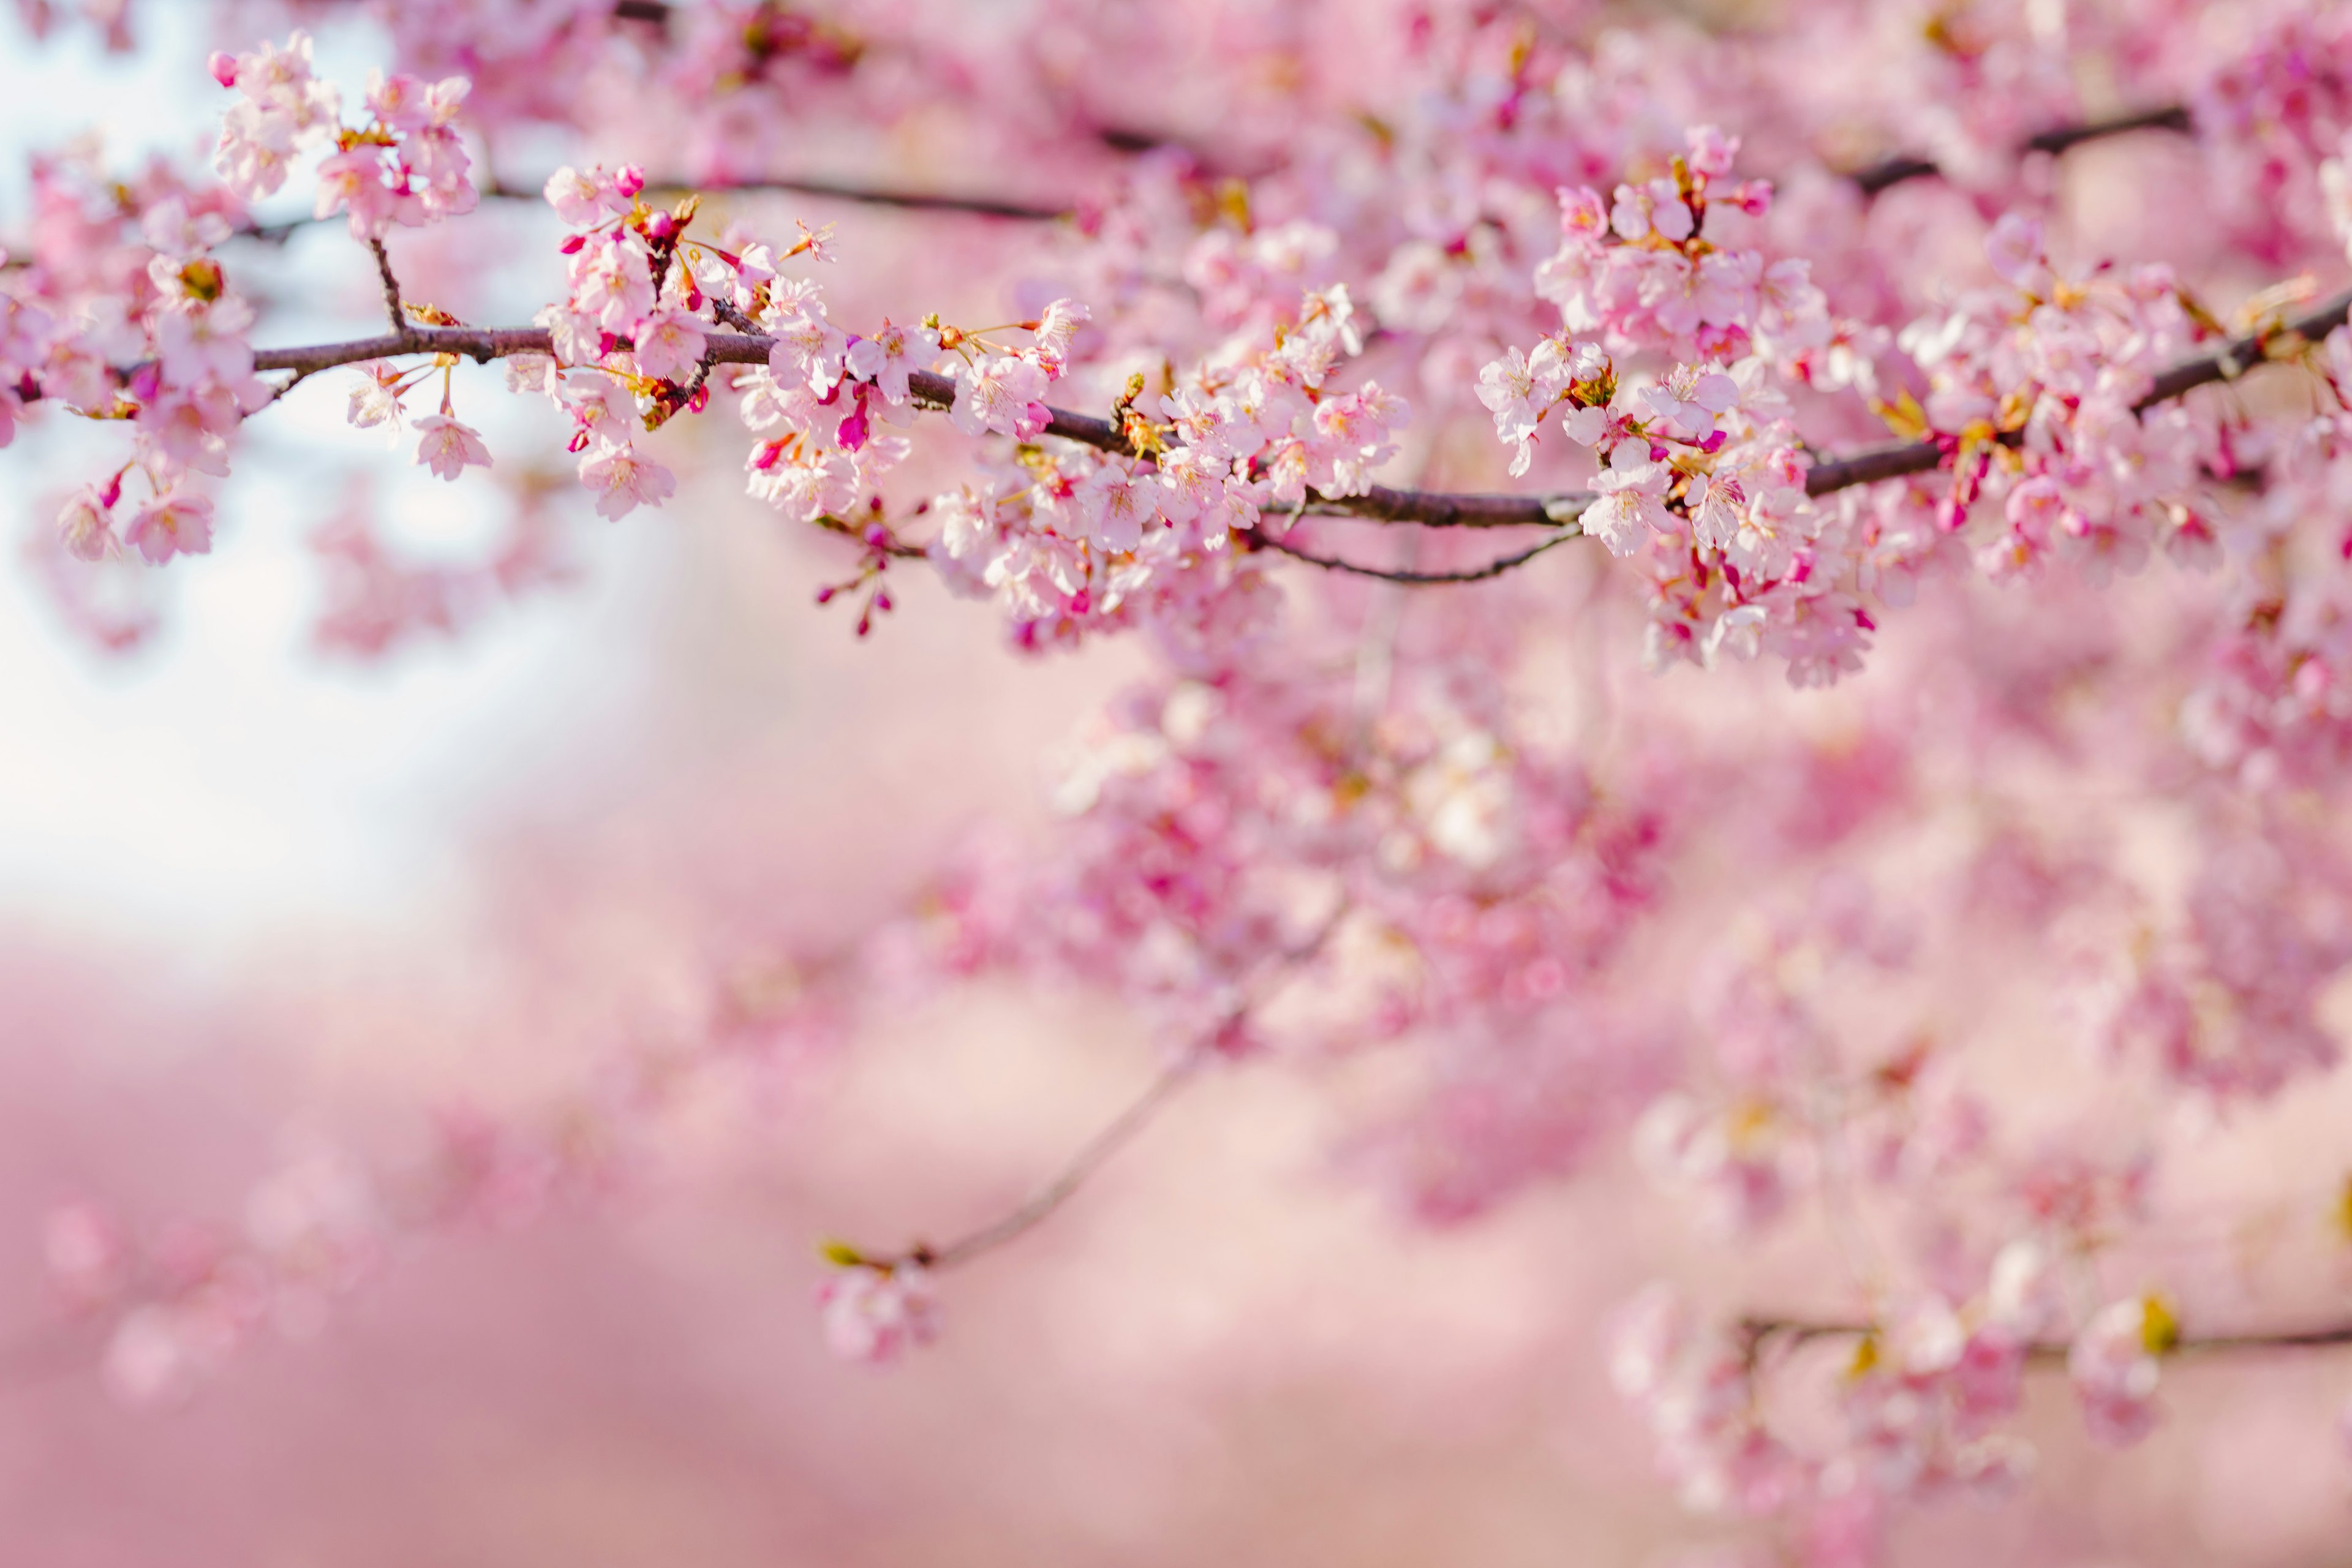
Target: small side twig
391 302
1122 1129
1494 568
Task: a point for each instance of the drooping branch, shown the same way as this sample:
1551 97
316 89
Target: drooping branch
1876 177
1261 540
1098 1151
1042 1204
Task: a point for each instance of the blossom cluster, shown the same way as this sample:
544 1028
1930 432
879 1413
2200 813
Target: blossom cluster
407 166
184 402
1075 541
1694 466
183 1300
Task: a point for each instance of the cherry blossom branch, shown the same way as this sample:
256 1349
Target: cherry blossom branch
1755 1332
1876 177
1380 503
2279 340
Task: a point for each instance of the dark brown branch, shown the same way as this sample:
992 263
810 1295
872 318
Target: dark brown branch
2225 363
1872 464
1878 177
1755 1332
2174 117
480 344
1873 178
1382 504
2241 354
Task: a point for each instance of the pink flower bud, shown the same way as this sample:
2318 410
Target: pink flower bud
223 64
855 430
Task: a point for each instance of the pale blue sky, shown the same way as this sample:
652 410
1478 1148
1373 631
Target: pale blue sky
225 781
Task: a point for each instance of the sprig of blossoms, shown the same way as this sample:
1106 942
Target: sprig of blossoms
1073 542
2034 387
406 167
1646 267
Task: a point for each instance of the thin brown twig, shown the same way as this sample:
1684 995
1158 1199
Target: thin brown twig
1261 540
391 302
1122 1129
1097 1152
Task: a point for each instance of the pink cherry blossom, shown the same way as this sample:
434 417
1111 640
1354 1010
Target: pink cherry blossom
877 1315
1115 504
448 448
86 527
2114 1369
174 523
669 345
1004 393
621 480
887 357
1628 507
